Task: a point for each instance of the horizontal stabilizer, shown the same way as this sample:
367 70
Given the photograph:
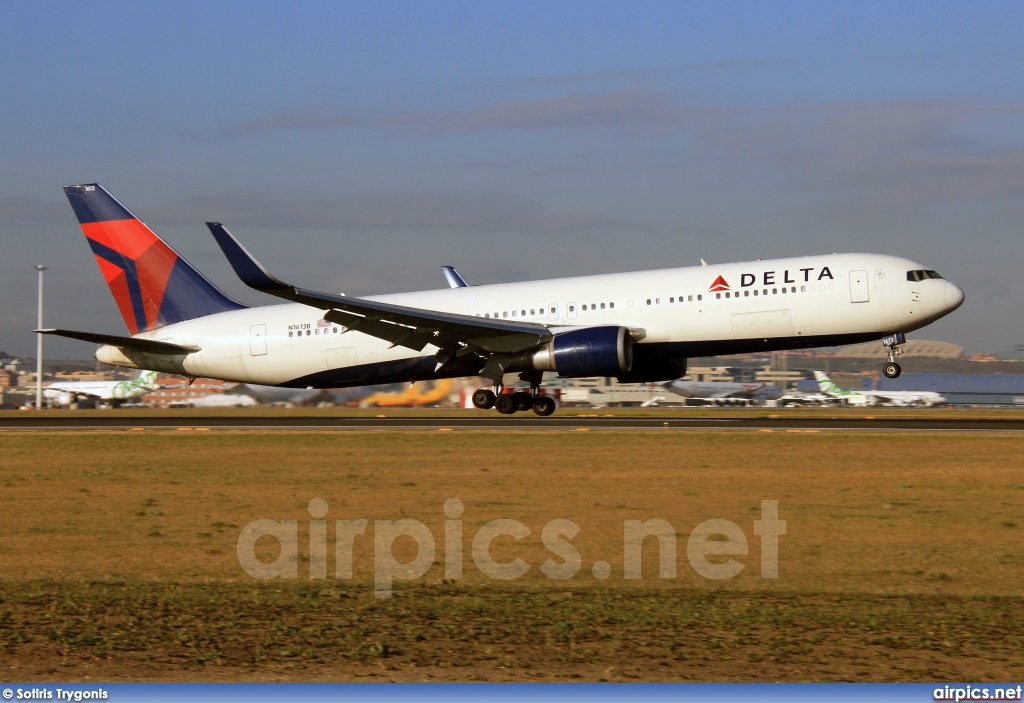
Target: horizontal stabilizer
147 346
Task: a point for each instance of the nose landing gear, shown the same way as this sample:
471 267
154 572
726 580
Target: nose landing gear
891 369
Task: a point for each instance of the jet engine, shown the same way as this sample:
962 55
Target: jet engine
591 351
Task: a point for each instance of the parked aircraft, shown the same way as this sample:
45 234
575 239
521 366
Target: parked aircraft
829 388
639 327
716 390
411 397
218 400
106 392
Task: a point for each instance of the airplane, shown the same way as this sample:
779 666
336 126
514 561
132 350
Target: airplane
805 399
639 327
721 390
827 386
273 394
411 397
217 400
110 392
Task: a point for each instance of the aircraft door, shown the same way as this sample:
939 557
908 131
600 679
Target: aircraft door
859 287
257 340
571 310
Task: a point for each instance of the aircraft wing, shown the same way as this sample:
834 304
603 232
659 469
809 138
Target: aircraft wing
413 328
149 346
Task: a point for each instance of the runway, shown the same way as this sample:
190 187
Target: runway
90 421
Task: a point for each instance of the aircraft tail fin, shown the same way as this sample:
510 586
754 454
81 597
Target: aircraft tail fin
825 384
146 378
151 283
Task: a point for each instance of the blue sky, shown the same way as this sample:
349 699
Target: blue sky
357 147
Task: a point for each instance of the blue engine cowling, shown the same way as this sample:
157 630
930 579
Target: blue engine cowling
592 351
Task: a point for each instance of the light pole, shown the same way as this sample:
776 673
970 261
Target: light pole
39 342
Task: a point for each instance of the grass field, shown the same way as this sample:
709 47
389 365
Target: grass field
903 557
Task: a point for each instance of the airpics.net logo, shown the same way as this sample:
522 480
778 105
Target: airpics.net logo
711 538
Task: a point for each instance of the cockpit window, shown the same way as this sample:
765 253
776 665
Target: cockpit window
922 275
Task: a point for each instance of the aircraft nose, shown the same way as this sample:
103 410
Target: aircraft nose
954 296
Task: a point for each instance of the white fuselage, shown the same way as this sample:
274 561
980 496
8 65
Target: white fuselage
892 398
776 304
67 392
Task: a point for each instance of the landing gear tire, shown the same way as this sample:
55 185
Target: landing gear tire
524 401
891 370
484 399
506 404
543 406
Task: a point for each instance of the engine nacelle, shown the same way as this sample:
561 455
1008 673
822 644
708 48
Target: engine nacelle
653 371
592 351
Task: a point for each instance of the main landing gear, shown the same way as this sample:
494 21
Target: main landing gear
891 369
509 403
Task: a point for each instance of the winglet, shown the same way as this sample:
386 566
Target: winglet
251 271
454 279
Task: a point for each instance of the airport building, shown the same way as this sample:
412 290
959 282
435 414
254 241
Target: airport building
175 391
915 348
962 388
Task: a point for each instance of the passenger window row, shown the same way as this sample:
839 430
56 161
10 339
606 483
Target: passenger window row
766 291
540 311
672 299
745 294
518 313
311 332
